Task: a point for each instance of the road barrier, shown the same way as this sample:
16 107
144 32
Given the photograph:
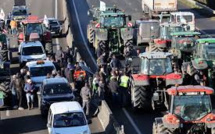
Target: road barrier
109 123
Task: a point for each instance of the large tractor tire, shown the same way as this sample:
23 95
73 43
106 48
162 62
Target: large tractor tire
90 34
141 98
161 129
49 48
154 48
212 130
101 51
190 69
5 87
4 56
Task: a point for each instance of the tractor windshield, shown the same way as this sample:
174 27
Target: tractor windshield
34 28
185 43
192 107
209 52
156 66
113 21
19 12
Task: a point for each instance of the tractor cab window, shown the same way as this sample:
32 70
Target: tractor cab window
113 21
209 51
34 28
185 43
156 66
192 107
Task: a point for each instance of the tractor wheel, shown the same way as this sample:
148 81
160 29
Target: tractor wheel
49 48
212 130
90 34
154 129
4 55
154 48
129 43
190 69
5 87
100 52
161 129
141 98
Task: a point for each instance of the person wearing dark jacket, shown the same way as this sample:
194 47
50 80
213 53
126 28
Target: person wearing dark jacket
19 90
114 87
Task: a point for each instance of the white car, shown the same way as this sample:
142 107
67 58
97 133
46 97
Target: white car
67 118
53 25
31 51
39 70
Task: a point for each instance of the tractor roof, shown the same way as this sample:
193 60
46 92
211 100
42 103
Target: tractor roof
190 89
206 40
155 55
32 19
181 13
185 33
111 13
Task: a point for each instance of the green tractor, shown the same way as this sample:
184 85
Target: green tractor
204 59
183 45
4 47
110 31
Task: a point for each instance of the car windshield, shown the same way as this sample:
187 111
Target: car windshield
58 88
115 21
19 12
69 120
188 18
209 52
192 107
53 23
35 50
41 71
34 28
156 66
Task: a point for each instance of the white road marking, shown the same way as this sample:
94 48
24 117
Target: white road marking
82 35
56 16
131 121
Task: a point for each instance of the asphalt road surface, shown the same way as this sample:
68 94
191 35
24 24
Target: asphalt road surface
31 122
134 123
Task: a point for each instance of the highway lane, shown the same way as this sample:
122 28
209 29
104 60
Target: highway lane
31 121
140 122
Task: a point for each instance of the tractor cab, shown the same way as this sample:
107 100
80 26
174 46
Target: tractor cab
184 18
156 63
190 111
34 25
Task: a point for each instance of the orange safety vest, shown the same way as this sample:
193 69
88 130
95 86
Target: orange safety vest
79 73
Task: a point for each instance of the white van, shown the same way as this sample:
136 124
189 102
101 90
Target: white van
67 118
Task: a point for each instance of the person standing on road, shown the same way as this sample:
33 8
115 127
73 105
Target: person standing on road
123 86
19 90
13 25
59 55
86 96
29 89
13 92
114 87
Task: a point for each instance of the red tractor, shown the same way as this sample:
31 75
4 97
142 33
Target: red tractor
190 112
33 25
152 74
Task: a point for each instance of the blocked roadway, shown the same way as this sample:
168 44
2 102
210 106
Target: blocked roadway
134 123
31 122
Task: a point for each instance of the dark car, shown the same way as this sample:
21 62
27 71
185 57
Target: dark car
53 25
54 90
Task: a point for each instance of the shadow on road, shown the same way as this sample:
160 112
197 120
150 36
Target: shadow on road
24 124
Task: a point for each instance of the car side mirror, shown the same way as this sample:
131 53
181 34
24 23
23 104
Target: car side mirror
48 125
18 53
129 17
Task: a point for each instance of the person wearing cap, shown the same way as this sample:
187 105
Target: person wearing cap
29 90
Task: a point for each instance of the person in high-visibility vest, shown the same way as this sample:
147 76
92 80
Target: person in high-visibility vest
124 81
